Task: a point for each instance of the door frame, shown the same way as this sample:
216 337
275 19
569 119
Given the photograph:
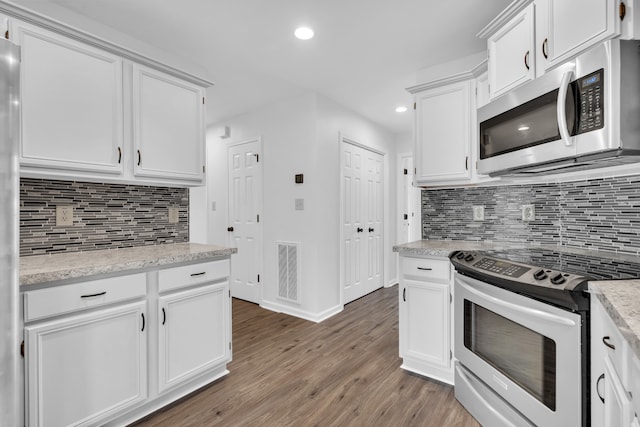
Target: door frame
404 200
260 203
343 139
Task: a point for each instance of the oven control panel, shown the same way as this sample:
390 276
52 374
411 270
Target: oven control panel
501 267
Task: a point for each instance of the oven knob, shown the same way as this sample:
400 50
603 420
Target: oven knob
557 279
540 275
468 258
460 255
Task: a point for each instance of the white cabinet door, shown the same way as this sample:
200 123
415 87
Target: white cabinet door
512 53
72 108
168 126
575 25
194 332
617 405
425 322
443 134
82 369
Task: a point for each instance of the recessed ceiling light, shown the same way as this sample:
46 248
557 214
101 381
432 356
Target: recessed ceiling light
401 109
304 33
523 128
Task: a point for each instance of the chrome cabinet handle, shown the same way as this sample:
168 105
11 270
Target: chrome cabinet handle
198 274
600 378
606 342
139 158
404 295
119 155
164 316
526 60
545 44
425 268
142 314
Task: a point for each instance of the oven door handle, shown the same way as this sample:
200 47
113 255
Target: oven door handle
537 314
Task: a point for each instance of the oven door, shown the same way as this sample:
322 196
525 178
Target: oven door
525 351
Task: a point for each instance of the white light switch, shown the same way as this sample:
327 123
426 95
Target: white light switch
299 204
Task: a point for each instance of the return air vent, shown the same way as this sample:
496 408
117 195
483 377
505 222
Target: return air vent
288 271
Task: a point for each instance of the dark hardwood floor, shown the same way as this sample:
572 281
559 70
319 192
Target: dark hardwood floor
344 371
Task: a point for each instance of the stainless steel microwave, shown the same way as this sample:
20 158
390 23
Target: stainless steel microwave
583 114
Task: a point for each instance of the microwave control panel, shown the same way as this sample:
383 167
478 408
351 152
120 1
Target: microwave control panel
590 97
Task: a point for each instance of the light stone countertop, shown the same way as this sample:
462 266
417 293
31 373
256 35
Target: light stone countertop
55 267
621 300
442 248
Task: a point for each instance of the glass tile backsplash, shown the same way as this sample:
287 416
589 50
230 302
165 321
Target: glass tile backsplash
105 216
602 214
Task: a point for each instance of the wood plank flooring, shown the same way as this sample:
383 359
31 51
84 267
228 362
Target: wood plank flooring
344 371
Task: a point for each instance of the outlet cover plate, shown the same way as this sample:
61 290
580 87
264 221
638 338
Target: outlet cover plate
528 213
478 213
64 215
173 215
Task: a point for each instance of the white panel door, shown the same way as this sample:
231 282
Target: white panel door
193 333
245 206
71 100
84 368
362 223
168 126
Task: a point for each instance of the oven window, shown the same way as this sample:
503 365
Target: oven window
524 356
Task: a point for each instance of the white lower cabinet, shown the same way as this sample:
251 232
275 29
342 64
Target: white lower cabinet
617 404
85 368
193 333
425 317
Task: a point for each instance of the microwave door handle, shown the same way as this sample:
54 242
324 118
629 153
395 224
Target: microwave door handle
560 108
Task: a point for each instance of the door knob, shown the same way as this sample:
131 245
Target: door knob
359 230
229 229
371 230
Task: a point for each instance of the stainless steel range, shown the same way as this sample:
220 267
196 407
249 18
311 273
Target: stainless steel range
522 338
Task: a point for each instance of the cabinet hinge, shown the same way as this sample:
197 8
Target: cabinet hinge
257 157
415 171
203 100
450 298
258 278
22 348
257 217
450 355
229 345
414 105
203 169
406 217
6 34
622 10
406 172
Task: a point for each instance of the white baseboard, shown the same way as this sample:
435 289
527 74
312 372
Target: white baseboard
303 314
391 283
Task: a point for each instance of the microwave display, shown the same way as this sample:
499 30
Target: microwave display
534 122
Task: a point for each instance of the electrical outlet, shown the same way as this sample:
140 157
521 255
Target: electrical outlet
173 215
64 215
478 213
528 212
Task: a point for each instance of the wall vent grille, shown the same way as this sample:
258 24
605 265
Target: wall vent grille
289 271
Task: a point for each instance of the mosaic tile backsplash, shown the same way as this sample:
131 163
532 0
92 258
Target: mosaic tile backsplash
106 216
602 214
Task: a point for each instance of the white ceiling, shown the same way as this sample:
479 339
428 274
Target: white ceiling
364 53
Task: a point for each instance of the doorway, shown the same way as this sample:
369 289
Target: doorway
361 218
245 226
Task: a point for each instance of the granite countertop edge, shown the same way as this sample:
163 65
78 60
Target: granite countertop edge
56 267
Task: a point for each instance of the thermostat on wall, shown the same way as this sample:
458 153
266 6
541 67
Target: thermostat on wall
299 178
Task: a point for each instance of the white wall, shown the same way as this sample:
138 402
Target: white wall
299 135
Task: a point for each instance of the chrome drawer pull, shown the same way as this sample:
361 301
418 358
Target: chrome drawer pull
606 342
198 274
93 295
425 268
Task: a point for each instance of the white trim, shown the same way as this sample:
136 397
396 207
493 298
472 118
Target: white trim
302 314
455 78
344 138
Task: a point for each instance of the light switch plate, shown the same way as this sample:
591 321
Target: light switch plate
173 215
299 204
64 215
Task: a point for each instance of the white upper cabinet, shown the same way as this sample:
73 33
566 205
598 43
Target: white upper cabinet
575 25
443 133
71 103
168 126
512 53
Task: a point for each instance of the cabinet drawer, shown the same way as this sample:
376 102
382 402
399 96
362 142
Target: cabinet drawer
427 268
188 275
79 296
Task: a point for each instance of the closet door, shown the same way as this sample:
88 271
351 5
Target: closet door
362 208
